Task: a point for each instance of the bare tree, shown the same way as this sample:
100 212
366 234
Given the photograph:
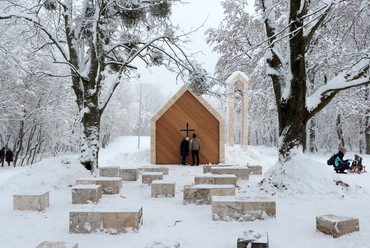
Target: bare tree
300 35
94 38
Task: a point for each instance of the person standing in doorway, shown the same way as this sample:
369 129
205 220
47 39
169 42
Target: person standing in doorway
184 150
2 156
194 147
9 156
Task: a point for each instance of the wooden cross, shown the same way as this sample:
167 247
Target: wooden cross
187 130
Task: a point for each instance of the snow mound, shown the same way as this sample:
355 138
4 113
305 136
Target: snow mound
301 175
49 174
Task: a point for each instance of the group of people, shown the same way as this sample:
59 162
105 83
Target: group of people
341 164
6 155
194 146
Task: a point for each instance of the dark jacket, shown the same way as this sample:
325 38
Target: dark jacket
9 156
339 159
2 153
184 148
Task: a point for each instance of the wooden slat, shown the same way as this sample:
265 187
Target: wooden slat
187 109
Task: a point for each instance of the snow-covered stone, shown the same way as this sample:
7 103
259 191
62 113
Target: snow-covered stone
337 226
255 169
164 170
207 167
253 239
215 179
240 172
111 222
47 244
83 194
201 194
109 171
109 185
241 208
149 177
162 188
129 174
33 202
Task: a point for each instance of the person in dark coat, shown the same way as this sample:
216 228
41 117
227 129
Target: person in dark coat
184 150
2 156
339 163
9 156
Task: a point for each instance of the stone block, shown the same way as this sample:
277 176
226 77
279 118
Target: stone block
129 174
255 169
83 194
239 172
201 194
207 167
33 202
253 239
105 221
109 171
149 177
164 170
215 179
109 185
48 244
242 208
337 226
161 188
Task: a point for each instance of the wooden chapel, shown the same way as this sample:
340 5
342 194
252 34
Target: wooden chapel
184 114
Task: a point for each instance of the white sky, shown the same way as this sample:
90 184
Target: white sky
190 15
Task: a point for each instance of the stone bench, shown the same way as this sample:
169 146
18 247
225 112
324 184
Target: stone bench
109 185
164 170
202 193
241 208
48 244
32 201
215 179
162 188
109 171
111 222
239 172
207 167
253 239
83 194
336 226
255 169
149 177
129 174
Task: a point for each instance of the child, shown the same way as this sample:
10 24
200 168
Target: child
357 164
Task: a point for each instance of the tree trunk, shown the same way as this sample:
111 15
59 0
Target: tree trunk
89 138
340 131
367 140
312 136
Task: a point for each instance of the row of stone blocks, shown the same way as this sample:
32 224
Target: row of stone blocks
253 169
111 222
129 174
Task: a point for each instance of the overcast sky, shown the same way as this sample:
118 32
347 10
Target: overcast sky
190 15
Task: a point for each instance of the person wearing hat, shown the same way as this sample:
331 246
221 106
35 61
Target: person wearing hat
184 150
357 164
339 164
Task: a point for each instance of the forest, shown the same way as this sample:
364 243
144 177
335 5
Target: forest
47 79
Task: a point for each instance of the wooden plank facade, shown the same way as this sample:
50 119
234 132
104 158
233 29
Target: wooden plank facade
183 108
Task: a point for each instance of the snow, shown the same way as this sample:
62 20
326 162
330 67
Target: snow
311 191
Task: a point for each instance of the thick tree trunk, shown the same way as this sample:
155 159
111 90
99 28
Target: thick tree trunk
340 131
367 140
292 132
89 136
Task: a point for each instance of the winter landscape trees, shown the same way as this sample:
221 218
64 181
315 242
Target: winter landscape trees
312 50
99 40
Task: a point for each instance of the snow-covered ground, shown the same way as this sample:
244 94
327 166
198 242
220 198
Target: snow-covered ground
311 191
